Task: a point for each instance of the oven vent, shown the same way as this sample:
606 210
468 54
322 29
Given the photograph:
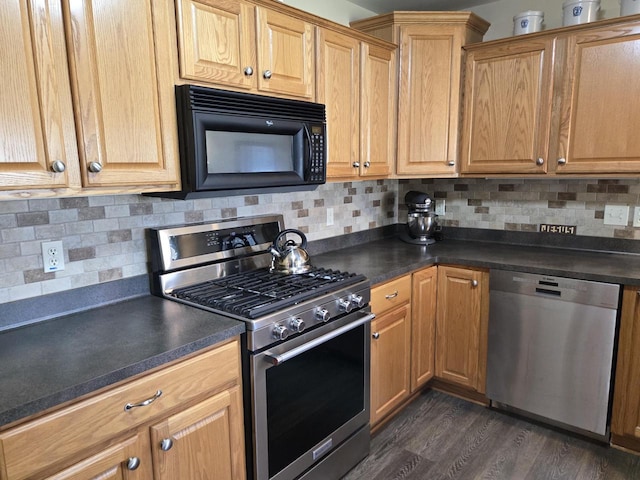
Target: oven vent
237 103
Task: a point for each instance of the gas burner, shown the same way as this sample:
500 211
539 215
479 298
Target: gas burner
257 293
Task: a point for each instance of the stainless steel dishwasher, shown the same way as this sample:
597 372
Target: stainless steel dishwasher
550 352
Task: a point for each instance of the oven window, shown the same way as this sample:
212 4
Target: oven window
242 152
312 395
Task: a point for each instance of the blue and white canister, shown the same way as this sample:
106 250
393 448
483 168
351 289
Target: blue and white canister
575 12
528 22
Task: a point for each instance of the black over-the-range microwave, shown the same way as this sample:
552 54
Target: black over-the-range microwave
246 143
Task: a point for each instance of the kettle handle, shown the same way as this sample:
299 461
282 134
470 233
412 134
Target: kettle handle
283 233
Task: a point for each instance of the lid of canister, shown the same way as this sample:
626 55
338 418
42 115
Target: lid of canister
529 13
566 3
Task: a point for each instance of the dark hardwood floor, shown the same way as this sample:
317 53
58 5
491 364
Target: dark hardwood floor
442 437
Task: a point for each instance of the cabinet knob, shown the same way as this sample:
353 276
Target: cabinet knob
375 335
540 161
474 283
356 164
58 166
267 74
562 161
166 444
95 167
367 164
248 71
133 463
452 164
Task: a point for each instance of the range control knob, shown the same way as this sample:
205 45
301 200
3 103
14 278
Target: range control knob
357 300
280 332
296 324
345 305
322 314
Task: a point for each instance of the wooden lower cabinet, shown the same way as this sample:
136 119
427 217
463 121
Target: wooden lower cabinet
625 418
129 459
390 361
423 328
390 346
462 326
191 427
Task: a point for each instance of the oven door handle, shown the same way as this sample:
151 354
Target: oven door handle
294 352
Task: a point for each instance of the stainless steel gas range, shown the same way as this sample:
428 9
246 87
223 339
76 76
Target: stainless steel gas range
306 350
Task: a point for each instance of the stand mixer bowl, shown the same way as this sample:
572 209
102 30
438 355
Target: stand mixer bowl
421 225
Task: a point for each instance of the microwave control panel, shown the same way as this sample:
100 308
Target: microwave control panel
318 154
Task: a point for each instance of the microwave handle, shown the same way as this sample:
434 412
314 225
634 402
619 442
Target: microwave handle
308 135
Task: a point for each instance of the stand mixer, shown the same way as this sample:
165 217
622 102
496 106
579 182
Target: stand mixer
421 219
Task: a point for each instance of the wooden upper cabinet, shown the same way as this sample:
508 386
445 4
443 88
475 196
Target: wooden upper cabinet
285 54
338 82
217 41
123 86
462 326
35 99
429 82
507 108
240 45
600 112
378 111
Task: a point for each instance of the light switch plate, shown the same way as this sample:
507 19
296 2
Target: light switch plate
616 214
440 207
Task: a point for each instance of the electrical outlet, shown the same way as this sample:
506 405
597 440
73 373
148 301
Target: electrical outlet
52 256
329 217
440 207
616 214
636 217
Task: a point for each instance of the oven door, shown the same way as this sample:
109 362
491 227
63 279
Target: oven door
309 395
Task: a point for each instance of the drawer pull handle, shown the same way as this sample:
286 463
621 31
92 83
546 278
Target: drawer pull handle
133 463
146 402
391 295
166 444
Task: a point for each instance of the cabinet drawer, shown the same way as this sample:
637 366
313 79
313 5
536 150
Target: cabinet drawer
64 434
391 294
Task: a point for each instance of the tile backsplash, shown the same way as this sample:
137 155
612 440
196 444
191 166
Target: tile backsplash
522 205
104 237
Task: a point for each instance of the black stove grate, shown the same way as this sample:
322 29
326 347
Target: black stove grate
257 293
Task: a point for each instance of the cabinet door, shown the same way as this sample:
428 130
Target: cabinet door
217 41
390 361
121 56
428 104
338 87
625 418
507 108
377 111
600 114
129 459
461 326
285 54
204 441
423 326
35 99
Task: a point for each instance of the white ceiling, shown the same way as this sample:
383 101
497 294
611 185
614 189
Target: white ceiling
384 6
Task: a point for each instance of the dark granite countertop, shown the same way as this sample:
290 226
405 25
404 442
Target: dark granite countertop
48 363
384 259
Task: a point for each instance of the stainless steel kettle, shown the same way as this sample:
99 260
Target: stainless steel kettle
289 257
